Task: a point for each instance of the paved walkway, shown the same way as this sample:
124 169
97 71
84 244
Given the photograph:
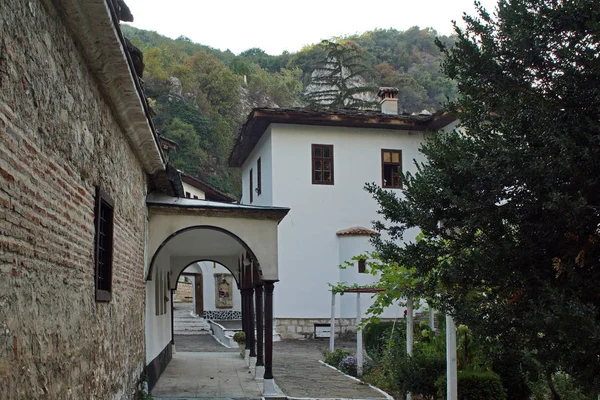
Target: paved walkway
206 375
299 374
202 368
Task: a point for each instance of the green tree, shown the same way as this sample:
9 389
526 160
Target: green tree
510 203
190 158
340 78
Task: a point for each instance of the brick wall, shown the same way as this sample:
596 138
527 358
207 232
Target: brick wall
58 140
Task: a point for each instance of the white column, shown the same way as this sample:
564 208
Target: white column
359 339
432 318
451 374
410 323
332 323
410 332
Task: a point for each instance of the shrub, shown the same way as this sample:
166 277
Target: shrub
334 358
376 336
239 337
348 365
418 374
476 385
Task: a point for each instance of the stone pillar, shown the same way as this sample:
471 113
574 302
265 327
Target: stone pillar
268 383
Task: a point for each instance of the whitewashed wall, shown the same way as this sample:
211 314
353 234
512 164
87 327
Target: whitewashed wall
158 327
208 269
308 246
193 191
263 150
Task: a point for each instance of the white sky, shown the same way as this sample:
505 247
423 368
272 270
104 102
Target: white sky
278 25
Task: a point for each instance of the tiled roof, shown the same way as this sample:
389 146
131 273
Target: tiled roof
357 231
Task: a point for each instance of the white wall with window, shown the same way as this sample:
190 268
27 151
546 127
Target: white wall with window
309 250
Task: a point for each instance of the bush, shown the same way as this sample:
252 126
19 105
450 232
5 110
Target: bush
239 337
377 334
476 385
334 358
348 365
418 374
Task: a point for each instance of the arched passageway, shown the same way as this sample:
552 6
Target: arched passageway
243 239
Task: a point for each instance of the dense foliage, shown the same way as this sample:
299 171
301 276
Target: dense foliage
210 92
509 205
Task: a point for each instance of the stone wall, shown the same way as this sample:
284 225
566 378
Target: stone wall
184 292
304 328
58 140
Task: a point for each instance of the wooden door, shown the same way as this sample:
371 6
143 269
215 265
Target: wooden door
199 295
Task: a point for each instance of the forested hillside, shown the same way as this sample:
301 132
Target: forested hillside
202 95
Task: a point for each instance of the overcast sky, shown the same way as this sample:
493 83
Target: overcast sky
278 25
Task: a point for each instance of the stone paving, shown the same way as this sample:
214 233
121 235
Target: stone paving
202 368
299 374
199 343
206 375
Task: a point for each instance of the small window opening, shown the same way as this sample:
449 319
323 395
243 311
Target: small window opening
104 224
322 164
362 266
251 187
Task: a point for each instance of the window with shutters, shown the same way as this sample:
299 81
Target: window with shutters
103 246
322 164
391 168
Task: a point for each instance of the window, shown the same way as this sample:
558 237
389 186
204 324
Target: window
362 266
258 177
322 164
103 246
251 187
188 195
391 168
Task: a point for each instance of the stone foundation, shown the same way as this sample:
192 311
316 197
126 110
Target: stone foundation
304 328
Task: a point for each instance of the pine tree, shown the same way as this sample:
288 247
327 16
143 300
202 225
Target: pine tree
339 81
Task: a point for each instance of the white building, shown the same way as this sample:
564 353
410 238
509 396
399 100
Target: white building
317 163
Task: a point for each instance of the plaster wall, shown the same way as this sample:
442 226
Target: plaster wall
262 150
208 269
193 191
308 245
259 235
349 247
158 327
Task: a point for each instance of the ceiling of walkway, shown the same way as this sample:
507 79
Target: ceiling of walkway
203 243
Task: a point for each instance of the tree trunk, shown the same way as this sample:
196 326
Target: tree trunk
555 395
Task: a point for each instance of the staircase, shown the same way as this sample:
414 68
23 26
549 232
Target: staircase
184 323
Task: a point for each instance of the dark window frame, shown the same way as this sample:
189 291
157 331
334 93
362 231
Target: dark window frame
384 164
322 159
362 266
104 213
251 187
258 177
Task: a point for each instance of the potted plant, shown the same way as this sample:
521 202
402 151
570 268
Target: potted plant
240 339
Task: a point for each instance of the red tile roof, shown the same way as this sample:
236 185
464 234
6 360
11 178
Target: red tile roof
357 231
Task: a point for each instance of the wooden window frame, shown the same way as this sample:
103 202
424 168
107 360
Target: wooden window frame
258 177
251 187
105 250
362 266
315 158
383 164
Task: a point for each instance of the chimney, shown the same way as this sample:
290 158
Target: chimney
388 98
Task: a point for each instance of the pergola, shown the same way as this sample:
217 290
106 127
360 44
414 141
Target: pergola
451 360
